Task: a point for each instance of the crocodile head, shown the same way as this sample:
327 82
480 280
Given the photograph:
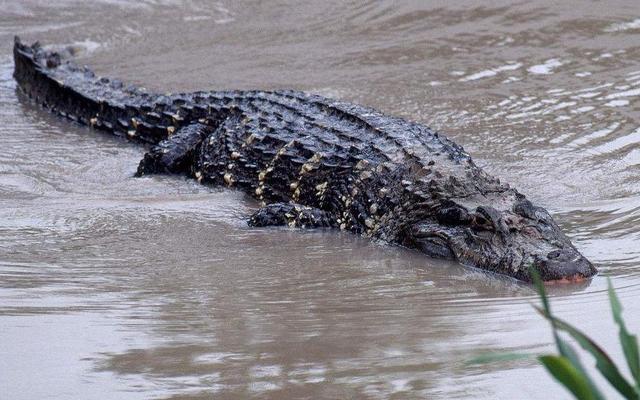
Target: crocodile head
508 240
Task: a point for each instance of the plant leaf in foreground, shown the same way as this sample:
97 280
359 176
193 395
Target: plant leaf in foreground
565 372
629 342
564 348
603 362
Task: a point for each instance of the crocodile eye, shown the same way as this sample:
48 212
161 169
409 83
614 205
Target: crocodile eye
511 222
480 222
453 216
486 218
525 209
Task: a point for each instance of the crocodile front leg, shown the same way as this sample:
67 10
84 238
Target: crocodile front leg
292 215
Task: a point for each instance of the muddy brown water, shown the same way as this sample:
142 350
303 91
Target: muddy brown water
113 287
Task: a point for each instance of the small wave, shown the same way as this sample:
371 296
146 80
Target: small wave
491 72
602 56
546 68
86 46
584 109
617 103
595 135
627 93
620 143
586 95
623 26
219 14
192 18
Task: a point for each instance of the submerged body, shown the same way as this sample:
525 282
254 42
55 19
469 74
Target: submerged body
317 162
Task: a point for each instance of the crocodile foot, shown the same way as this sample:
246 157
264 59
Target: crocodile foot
292 215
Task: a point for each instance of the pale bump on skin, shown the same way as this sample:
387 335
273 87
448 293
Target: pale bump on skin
362 164
262 175
296 193
346 221
311 164
250 139
373 208
228 179
364 175
321 189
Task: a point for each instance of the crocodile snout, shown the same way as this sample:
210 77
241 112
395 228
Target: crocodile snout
566 265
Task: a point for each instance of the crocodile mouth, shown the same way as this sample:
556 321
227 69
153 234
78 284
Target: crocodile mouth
565 266
567 280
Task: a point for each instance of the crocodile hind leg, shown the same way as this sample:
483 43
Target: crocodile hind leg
206 152
293 215
175 154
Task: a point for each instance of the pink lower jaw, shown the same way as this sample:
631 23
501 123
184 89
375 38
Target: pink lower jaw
577 278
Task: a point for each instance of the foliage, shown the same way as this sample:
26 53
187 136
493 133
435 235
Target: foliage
566 367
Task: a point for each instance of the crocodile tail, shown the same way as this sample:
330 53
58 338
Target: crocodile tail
26 66
56 83
31 65
41 76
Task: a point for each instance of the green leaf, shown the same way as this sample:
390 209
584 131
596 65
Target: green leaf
499 357
605 365
539 285
567 352
629 342
566 373
564 348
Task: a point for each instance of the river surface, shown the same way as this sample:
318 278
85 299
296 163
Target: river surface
113 287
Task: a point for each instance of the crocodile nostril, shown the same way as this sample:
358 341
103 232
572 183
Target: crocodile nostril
553 254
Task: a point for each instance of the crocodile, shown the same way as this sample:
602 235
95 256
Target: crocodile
315 162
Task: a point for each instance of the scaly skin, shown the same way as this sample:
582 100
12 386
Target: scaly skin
316 162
